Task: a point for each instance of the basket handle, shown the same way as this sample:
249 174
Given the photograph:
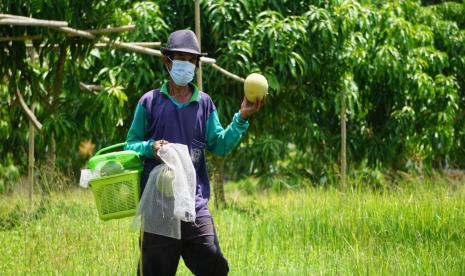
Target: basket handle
110 147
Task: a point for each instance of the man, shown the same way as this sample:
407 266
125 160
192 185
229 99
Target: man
179 113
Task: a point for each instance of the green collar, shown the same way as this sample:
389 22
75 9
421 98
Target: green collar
195 93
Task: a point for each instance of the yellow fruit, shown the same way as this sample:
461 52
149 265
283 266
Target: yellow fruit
255 86
111 167
165 182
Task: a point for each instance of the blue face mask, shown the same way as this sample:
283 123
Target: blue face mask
182 72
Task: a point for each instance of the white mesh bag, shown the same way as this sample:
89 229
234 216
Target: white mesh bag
169 195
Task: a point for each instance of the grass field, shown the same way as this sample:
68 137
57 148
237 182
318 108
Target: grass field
417 230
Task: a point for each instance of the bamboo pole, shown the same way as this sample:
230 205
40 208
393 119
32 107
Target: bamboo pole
112 29
117 44
141 44
343 142
25 18
124 45
30 173
134 48
198 34
108 45
39 23
97 31
28 111
207 60
6 15
227 73
76 32
127 46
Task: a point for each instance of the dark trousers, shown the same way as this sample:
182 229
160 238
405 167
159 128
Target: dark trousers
198 247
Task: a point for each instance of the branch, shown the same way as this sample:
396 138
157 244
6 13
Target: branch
227 73
90 88
459 116
28 111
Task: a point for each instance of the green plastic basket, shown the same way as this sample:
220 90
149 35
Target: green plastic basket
116 196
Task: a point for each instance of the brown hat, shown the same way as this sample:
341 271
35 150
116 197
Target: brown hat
182 41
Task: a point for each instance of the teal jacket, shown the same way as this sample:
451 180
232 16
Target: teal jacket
219 140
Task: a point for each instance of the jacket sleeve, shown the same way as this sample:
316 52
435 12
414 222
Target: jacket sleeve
221 141
137 132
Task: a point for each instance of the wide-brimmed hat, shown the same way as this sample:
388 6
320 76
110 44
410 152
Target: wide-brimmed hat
182 41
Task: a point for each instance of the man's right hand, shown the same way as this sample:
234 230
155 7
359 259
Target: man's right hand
249 108
156 146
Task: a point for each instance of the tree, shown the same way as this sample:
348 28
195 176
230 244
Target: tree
399 64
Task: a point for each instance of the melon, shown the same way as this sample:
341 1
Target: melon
123 196
111 167
255 86
165 182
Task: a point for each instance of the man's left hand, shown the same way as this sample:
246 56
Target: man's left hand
249 108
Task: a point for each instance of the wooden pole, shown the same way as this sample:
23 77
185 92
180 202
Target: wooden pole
40 23
343 142
28 111
105 45
142 44
198 34
98 31
112 29
12 16
30 173
116 44
227 73
135 47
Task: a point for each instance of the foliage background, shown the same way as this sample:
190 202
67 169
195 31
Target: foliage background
400 65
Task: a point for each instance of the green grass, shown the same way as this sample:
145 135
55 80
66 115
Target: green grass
417 230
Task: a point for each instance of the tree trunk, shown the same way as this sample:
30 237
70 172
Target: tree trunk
218 180
51 155
56 90
60 67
